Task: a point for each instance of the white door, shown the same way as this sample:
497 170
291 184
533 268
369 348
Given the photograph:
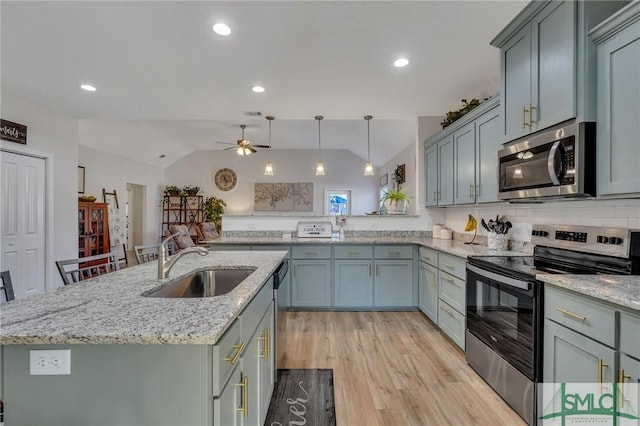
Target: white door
22 209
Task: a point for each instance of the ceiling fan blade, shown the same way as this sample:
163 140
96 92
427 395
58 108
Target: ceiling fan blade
231 147
225 143
261 146
251 149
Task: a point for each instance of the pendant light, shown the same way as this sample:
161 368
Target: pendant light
320 165
268 169
368 168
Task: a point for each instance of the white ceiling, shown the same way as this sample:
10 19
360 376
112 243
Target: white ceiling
167 84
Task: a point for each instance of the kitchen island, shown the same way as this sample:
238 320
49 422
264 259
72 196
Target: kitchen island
141 360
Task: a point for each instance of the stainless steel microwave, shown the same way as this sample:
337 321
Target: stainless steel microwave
555 163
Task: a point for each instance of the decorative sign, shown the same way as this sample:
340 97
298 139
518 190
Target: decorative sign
13 132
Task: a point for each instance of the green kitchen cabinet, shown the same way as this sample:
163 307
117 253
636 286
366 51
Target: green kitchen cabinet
464 148
547 65
618 88
353 283
311 283
488 142
394 283
439 173
225 407
570 357
428 291
267 361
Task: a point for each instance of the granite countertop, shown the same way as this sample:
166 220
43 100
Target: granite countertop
455 247
110 309
623 290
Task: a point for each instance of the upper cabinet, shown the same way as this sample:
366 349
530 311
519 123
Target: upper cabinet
461 162
547 65
618 58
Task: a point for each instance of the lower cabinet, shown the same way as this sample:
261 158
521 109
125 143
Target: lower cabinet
428 291
452 323
225 407
311 283
267 361
393 284
353 283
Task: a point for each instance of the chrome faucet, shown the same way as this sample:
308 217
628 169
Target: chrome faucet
165 262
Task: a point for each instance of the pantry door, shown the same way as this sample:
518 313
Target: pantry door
22 222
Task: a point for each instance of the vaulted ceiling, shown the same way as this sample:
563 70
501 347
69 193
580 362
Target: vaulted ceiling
168 85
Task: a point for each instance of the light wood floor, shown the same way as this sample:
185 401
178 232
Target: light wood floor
392 369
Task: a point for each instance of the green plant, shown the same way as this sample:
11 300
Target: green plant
394 196
452 116
213 211
172 191
191 190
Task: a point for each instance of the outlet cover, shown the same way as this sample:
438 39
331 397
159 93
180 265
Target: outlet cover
50 362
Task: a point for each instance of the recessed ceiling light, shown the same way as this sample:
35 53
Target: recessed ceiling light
402 62
222 29
258 89
88 87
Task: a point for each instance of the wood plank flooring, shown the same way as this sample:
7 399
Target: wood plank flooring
392 369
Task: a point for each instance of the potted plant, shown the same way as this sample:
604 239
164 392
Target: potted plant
395 201
191 190
172 191
213 211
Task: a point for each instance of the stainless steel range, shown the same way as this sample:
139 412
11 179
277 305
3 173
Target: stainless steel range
505 302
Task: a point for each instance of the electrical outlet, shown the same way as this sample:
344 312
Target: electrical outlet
50 362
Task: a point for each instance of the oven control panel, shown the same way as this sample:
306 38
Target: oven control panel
608 241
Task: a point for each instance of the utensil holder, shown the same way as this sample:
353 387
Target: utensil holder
497 241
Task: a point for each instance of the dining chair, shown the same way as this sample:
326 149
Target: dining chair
7 287
149 252
75 270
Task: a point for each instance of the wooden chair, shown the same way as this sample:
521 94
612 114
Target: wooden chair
7 287
75 270
149 252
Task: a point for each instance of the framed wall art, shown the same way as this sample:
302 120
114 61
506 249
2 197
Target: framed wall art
384 179
80 179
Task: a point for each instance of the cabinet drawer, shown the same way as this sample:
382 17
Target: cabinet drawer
629 332
311 252
253 313
353 252
581 314
452 323
226 355
453 265
452 291
429 255
393 252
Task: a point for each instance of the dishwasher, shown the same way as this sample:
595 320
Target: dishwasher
281 286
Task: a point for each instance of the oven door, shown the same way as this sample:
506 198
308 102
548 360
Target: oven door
501 312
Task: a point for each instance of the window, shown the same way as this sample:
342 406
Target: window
337 202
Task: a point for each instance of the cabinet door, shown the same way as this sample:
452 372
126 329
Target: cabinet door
428 291
553 60
394 283
516 83
267 361
431 175
487 145
445 172
353 283
310 283
618 112
250 364
464 150
225 407
629 379
570 357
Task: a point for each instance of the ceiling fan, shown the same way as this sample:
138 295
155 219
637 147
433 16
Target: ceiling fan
243 146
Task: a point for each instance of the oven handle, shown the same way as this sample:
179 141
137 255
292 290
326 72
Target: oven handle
554 174
524 285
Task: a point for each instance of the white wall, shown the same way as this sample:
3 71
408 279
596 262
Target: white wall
103 170
54 136
343 169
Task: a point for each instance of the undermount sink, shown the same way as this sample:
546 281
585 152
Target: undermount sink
207 283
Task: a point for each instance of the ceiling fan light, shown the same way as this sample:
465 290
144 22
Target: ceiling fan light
368 169
320 169
268 169
222 29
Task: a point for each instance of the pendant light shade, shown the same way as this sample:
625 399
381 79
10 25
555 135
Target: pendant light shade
368 168
320 164
268 169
